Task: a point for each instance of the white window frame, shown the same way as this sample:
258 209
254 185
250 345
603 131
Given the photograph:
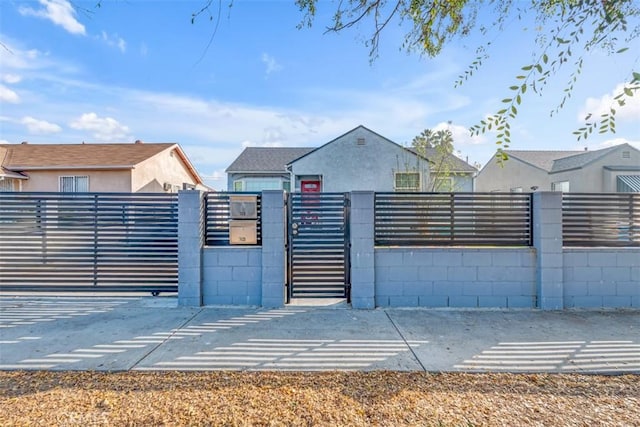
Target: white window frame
407 189
447 184
560 186
75 178
237 184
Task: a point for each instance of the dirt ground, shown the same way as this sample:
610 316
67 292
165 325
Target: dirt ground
324 399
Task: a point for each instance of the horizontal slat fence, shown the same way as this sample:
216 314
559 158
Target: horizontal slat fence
92 241
609 219
217 218
415 219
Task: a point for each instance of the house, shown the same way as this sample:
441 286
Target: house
358 160
136 167
612 169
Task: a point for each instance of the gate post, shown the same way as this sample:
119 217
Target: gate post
273 248
190 243
362 249
547 239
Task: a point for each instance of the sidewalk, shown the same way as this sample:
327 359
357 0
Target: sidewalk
146 333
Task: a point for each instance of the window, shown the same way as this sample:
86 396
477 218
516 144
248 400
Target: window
237 185
443 184
286 186
407 181
74 184
6 184
560 186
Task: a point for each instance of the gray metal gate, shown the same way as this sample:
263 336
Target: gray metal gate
318 245
89 241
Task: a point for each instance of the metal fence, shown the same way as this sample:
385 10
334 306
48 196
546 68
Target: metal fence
218 218
90 241
611 219
414 219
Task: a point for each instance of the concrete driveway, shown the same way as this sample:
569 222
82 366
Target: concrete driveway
147 333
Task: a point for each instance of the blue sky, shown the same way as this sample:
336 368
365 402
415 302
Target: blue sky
139 69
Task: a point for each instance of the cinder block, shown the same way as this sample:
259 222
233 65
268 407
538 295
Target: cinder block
616 274
528 258
520 302
362 290
382 300
233 287
218 300
616 301
417 258
362 275
635 274
387 288
447 288
575 259
477 288
635 301
492 301
587 302
576 289
362 259
433 301
476 258
363 303
600 289
388 258
403 301
463 301
189 302
254 300
417 288
631 288
255 257
448 258
630 258
598 258
216 273
550 302
233 257
462 274
432 273
405 274
273 274
506 288
549 276
553 260
247 274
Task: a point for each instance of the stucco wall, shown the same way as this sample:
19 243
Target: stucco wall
232 275
593 178
513 173
347 166
99 181
601 277
165 167
455 277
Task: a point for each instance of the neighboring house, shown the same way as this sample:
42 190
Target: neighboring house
612 169
137 167
358 160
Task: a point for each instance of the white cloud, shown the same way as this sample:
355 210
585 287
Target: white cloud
103 129
114 40
40 127
618 141
597 106
461 135
60 12
7 95
271 64
11 78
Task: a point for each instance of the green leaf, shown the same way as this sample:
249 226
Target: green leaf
518 99
507 100
513 87
622 50
527 67
545 58
523 88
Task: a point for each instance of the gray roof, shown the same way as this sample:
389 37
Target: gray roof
266 159
580 160
540 159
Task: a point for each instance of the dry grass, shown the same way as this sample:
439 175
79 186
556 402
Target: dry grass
326 399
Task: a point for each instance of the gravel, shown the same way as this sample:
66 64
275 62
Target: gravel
381 398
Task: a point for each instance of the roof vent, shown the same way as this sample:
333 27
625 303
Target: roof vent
138 141
626 154
361 141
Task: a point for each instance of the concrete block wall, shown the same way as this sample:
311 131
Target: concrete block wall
601 277
232 275
455 277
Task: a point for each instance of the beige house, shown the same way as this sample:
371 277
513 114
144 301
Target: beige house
137 167
612 169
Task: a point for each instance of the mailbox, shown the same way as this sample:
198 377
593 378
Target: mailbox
243 232
243 207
